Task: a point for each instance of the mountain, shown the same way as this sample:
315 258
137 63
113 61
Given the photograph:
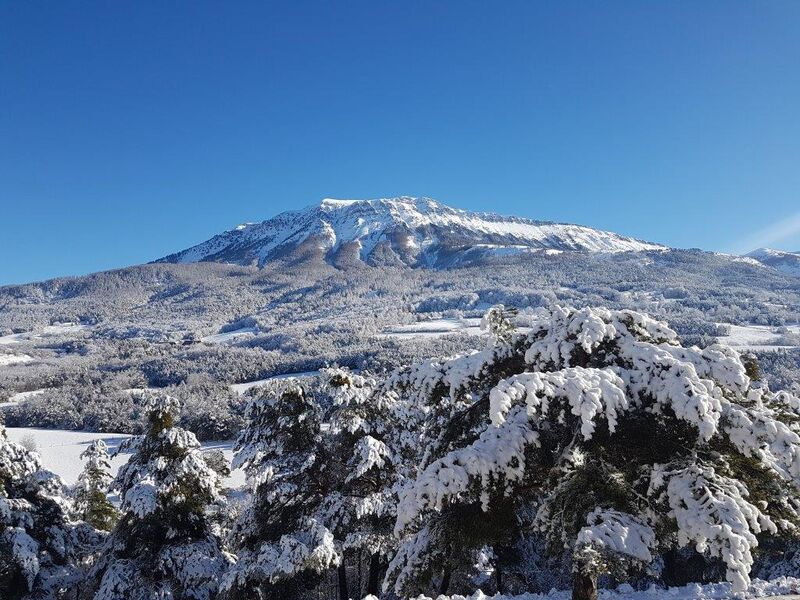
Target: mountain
410 231
786 262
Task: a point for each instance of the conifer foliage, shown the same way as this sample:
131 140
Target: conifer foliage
91 503
607 437
41 551
283 545
164 545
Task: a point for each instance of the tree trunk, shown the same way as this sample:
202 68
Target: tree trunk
498 577
445 584
373 583
343 595
584 587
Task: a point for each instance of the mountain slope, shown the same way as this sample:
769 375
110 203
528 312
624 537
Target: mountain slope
786 262
411 231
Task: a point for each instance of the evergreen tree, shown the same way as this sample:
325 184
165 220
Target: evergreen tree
91 503
164 544
608 438
365 471
499 322
284 546
41 551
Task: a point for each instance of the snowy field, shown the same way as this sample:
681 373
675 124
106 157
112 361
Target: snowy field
241 388
757 337
6 360
436 328
60 450
230 337
21 397
785 588
58 329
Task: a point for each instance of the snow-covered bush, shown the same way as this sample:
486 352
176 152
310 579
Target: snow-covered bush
619 443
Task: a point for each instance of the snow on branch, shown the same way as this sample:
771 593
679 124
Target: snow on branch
712 512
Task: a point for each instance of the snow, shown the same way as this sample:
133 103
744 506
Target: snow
618 532
241 388
60 451
230 337
21 397
422 222
56 330
7 360
755 337
786 262
647 370
714 516
785 588
436 328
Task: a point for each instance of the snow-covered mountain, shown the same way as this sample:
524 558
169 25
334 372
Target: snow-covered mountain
786 262
411 231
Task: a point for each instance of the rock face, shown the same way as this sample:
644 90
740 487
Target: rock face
786 262
411 231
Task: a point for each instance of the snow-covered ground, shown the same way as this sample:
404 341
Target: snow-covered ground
7 360
241 388
59 329
21 397
784 588
756 337
230 337
436 328
60 450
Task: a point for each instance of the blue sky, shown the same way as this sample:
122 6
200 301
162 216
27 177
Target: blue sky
132 130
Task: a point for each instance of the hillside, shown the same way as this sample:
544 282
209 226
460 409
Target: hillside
786 262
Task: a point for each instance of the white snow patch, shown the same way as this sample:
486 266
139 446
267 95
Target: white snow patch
784 588
241 388
436 328
230 337
60 450
55 330
756 337
7 360
21 397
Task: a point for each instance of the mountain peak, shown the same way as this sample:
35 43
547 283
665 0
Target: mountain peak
786 262
402 230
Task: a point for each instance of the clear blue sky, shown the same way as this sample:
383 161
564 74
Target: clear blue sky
129 130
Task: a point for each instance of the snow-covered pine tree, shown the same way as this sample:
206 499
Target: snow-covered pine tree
499 322
440 407
91 503
623 442
41 551
365 426
283 546
164 545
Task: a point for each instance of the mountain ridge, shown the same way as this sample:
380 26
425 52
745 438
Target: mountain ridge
402 230
782 260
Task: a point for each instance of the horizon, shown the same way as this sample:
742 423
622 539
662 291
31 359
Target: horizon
158 129
349 201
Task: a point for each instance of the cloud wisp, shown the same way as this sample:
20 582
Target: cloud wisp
771 235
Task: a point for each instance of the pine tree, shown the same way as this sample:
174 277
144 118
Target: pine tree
164 544
41 551
91 503
499 322
619 443
365 470
283 545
